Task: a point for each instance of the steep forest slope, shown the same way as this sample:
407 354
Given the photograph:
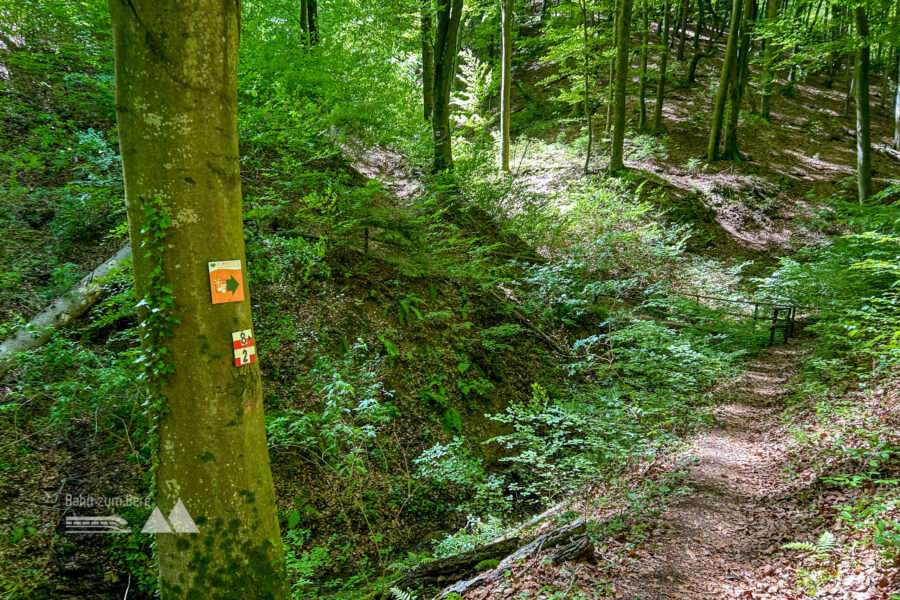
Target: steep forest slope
446 356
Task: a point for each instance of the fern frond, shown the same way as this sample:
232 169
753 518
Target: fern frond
825 543
800 546
823 546
401 594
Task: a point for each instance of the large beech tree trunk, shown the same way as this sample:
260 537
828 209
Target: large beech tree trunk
623 37
449 13
176 106
506 24
863 130
728 67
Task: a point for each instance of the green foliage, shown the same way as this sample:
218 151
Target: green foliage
399 594
851 285
351 398
821 549
487 565
477 532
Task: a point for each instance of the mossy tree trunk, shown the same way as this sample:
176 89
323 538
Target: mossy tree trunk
623 53
739 77
863 128
682 35
427 59
304 21
663 64
506 25
176 105
728 68
611 86
586 74
449 13
312 19
697 53
642 85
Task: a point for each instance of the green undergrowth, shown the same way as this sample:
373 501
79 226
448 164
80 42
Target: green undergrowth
430 381
843 416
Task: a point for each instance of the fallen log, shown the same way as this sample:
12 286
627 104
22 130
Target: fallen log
887 151
438 573
556 537
61 311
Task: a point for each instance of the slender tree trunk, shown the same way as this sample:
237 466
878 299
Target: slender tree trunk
623 54
585 27
863 132
682 39
610 100
834 34
697 54
728 69
663 64
740 75
313 8
427 59
769 63
304 20
897 107
445 49
545 10
506 25
886 76
851 87
176 104
645 47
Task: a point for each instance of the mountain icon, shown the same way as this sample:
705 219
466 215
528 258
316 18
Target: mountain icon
180 520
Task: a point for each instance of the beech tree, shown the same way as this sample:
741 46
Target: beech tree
506 21
623 37
863 128
738 81
176 105
728 71
449 13
663 63
768 62
642 85
427 59
897 107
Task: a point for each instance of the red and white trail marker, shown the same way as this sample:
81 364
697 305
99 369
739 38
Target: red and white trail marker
244 349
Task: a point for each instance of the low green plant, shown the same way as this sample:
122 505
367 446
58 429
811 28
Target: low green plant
822 549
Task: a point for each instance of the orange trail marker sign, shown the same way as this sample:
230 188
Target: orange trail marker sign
226 281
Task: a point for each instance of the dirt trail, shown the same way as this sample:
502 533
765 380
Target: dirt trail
717 540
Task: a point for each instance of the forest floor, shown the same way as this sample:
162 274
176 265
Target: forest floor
744 493
719 540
